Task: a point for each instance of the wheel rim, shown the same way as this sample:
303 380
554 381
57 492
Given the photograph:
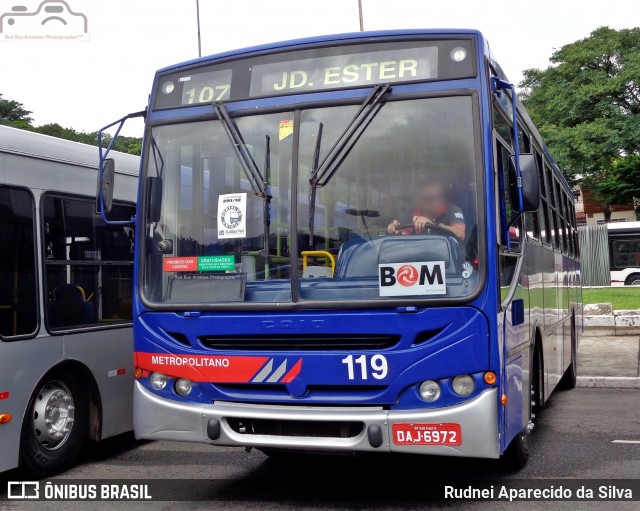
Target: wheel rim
53 415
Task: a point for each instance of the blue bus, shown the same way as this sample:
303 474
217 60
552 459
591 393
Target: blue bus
350 243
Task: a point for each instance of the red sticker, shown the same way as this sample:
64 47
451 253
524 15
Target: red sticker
120 372
202 368
180 264
4 395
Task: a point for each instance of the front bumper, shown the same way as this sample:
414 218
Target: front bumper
157 418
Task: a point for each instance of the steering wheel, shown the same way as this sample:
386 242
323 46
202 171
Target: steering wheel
429 227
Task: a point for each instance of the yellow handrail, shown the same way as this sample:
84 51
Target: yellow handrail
318 253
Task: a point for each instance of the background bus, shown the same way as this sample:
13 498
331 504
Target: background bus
261 163
624 253
65 302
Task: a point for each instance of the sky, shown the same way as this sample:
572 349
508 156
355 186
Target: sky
86 84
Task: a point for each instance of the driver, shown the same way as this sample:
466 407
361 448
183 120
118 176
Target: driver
432 208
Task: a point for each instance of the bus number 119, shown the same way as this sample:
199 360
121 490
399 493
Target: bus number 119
377 365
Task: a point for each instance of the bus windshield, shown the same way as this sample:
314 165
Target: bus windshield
295 207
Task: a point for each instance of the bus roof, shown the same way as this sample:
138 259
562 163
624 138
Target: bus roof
624 226
36 145
323 39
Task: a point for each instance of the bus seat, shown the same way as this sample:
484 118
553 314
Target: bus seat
360 258
69 307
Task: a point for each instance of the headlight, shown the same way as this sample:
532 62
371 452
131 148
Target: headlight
158 381
183 386
463 385
429 391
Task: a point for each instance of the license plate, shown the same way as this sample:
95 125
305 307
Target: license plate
427 434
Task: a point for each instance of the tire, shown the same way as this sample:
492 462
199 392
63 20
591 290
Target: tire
570 376
537 382
633 280
516 455
55 424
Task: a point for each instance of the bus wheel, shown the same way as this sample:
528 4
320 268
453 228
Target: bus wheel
633 280
570 377
54 426
517 454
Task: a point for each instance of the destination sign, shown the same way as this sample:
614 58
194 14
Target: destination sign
317 69
345 71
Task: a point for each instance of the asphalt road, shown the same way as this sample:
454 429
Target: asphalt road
573 439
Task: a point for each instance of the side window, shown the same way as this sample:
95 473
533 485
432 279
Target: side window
532 224
501 126
543 214
507 209
88 265
18 276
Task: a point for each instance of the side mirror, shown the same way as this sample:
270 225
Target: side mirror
154 189
104 192
530 174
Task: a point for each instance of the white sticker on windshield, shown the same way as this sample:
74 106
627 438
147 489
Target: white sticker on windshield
232 216
412 279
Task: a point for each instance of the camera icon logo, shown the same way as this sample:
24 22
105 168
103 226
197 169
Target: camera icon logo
52 19
21 490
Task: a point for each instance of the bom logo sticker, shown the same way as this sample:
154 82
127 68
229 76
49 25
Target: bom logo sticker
412 279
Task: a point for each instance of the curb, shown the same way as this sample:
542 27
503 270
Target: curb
609 382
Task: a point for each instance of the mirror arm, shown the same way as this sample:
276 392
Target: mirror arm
498 85
104 152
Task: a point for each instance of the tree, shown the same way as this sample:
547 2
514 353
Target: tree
586 105
14 114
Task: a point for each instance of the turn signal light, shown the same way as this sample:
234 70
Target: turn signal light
138 373
504 400
490 377
4 418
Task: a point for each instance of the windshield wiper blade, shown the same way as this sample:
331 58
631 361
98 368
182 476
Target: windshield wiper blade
266 200
322 173
248 164
312 187
343 146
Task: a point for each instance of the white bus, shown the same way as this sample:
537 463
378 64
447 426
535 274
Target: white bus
624 253
65 302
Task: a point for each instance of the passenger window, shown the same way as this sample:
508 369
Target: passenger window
18 276
88 265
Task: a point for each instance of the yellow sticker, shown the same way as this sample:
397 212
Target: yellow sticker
286 129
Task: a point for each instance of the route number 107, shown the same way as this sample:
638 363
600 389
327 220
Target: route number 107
375 365
206 94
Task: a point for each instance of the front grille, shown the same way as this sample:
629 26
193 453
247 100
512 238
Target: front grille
312 429
297 342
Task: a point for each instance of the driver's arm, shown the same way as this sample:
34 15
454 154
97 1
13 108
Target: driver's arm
459 230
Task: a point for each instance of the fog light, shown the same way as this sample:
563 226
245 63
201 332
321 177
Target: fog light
463 385
158 381
429 391
183 386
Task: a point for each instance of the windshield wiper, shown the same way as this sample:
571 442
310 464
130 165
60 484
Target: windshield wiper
248 164
259 182
321 173
266 200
